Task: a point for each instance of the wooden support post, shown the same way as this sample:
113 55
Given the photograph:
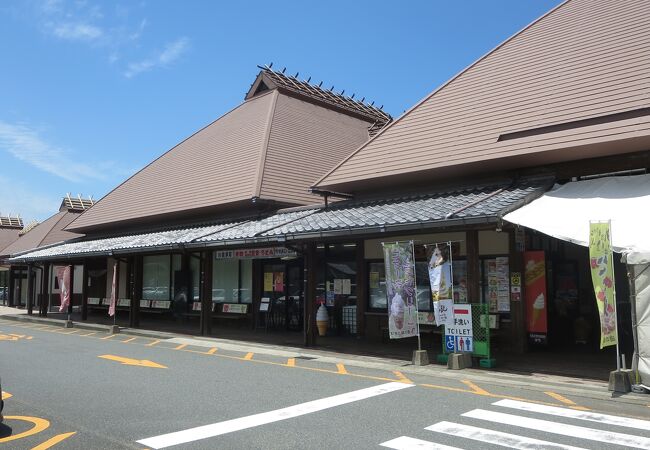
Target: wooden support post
136 293
12 288
362 291
84 290
71 287
473 270
205 292
30 289
309 329
45 290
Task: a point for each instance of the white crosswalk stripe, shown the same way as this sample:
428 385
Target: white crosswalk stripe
592 434
500 438
496 437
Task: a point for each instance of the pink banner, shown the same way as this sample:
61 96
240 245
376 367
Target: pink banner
63 274
111 308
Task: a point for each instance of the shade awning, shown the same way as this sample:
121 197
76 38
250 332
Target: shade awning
565 211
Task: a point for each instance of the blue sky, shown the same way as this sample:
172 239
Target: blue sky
90 92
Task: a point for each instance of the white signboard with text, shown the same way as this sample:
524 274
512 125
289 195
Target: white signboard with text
459 337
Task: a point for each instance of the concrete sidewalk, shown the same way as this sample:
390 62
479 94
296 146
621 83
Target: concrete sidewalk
577 386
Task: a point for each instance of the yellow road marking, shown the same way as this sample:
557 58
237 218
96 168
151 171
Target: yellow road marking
129 340
248 356
89 334
17 335
39 425
6 337
110 336
133 362
69 332
180 347
5 395
291 362
151 344
341 369
211 351
560 398
580 408
401 377
475 388
53 441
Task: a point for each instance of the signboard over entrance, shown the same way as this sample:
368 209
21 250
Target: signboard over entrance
252 253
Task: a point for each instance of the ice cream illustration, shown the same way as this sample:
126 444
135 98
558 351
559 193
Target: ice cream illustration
322 319
538 307
397 310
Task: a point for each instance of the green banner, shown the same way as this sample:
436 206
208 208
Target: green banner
602 275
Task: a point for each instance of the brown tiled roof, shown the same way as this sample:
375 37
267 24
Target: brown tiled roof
48 232
574 84
7 236
269 78
269 148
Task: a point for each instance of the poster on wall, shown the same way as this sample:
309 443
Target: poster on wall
268 282
535 295
278 281
442 283
400 290
503 284
602 275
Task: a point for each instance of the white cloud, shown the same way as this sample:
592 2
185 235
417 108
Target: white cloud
25 144
167 56
77 31
21 199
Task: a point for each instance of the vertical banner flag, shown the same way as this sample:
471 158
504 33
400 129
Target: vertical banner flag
63 274
401 290
535 295
441 280
602 275
111 307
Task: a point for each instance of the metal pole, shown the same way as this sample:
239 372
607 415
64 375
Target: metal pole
415 300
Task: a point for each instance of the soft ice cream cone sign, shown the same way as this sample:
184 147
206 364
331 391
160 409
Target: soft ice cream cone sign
535 295
602 275
400 290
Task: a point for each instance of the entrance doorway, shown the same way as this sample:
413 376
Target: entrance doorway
283 286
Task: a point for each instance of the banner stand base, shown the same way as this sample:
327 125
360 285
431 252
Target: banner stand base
68 324
459 361
114 329
420 358
619 381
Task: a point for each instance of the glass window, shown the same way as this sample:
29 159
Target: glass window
246 281
225 281
377 285
195 267
155 277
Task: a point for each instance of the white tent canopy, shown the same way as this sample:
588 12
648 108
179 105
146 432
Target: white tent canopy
565 211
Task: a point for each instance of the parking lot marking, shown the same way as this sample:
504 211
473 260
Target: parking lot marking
110 336
341 369
53 441
249 356
39 425
152 343
401 377
92 333
560 398
133 362
291 362
180 347
229 426
5 395
475 388
130 340
212 351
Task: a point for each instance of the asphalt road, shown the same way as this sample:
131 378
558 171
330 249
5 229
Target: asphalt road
79 389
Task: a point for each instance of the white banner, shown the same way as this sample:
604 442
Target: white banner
400 290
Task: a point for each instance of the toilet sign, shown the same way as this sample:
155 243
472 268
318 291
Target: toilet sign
459 337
